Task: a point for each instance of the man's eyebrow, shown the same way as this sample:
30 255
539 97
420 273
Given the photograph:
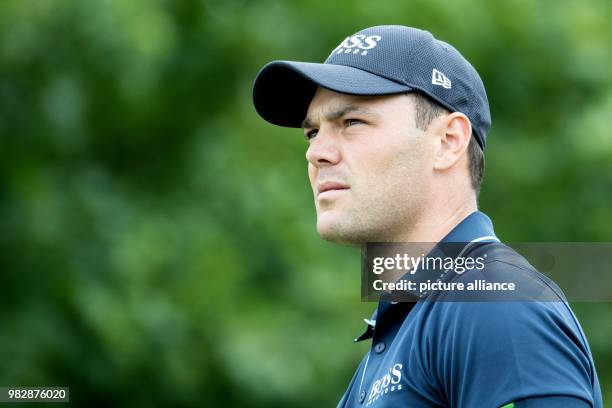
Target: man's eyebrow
336 114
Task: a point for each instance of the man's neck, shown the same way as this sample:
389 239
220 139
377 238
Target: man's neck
435 223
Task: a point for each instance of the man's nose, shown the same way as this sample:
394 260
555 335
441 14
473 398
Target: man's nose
323 150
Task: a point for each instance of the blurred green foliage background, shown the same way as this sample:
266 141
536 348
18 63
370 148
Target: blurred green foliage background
157 237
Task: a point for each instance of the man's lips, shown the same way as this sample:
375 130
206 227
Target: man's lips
331 186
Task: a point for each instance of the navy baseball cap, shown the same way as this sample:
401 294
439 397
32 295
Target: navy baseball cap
381 60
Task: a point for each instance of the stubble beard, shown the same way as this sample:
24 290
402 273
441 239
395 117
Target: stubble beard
368 223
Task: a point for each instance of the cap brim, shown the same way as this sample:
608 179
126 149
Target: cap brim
283 89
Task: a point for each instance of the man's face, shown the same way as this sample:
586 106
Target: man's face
369 166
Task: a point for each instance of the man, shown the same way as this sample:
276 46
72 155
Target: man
396 122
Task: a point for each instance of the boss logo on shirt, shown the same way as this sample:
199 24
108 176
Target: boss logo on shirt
357 44
387 383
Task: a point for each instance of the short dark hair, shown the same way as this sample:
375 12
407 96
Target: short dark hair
426 110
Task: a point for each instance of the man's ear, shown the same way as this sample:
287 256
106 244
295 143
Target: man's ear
456 132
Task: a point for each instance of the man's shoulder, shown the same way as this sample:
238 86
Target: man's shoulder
505 341
534 306
506 294
504 274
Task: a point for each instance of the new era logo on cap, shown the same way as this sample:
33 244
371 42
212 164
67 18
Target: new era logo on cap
438 78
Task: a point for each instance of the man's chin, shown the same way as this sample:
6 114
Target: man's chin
333 229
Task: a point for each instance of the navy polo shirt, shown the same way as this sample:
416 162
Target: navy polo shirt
477 354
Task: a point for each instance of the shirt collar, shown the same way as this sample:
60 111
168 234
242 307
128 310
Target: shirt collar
475 227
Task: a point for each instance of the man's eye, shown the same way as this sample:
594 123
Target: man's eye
351 122
310 134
